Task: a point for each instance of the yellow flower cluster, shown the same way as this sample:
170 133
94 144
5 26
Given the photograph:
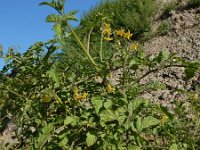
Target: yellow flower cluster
164 119
78 96
46 99
134 47
121 32
107 32
110 88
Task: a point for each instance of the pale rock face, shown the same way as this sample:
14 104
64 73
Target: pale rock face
183 39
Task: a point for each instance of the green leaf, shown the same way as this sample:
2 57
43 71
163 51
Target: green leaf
90 139
48 128
53 74
63 142
133 105
121 119
149 121
108 115
139 124
53 18
58 30
7 59
108 104
163 55
166 112
73 12
47 3
71 120
97 102
70 16
132 147
133 127
68 120
173 147
190 72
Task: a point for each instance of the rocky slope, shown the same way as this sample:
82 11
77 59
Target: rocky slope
182 38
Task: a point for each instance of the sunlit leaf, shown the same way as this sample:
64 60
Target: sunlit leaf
149 121
108 104
53 18
139 124
48 128
108 115
90 139
173 147
97 102
53 74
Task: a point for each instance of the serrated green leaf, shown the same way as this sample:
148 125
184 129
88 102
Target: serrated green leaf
132 147
162 56
133 127
165 55
108 115
68 120
142 54
63 142
90 139
42 138
190 72
48 128
58 29
7 59
53 18
97 102
73 12
46 3
149 121
70 17
53 74
139 124
121 119
173 147
108 104
133 105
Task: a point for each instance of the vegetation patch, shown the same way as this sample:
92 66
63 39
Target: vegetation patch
70 102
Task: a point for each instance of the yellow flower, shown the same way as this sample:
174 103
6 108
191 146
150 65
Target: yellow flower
46 99
164 119
107 32
120 32
75 89
106 25
33 97
110 89
127 35
78 96
106 29
81 97
84 95
134 46
108 38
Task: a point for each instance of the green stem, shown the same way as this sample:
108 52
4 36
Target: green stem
18 95
88 41
154 147
60 101
101 48
124 77
82 46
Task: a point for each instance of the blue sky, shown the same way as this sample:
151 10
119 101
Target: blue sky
23 21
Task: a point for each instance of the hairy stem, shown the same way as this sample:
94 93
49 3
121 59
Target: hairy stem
82 46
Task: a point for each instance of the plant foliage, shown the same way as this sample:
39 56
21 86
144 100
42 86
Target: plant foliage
74 103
